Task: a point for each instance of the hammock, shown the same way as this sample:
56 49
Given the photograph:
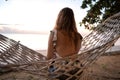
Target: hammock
15 56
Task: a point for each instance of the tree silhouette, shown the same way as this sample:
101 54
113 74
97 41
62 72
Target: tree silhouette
98 11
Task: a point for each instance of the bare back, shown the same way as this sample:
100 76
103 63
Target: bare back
64 45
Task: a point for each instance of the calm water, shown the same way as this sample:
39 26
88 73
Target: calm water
33 41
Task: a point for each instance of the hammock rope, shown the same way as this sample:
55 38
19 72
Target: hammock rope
16 56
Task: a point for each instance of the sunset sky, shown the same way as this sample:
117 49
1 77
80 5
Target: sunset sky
36 15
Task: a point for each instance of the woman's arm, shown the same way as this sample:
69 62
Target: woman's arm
50 46
79 42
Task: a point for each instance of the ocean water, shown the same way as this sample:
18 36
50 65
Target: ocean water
37 41
33 41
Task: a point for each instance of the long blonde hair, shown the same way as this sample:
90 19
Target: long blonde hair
66 21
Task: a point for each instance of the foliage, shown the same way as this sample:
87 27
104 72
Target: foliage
98 11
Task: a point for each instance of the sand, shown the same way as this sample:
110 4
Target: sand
107 67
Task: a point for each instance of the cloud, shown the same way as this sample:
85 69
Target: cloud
7 29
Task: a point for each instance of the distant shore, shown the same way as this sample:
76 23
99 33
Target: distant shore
114 49
43 52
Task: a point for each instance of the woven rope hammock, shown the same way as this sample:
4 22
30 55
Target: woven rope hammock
16 56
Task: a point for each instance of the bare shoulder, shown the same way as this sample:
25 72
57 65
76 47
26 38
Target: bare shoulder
51 35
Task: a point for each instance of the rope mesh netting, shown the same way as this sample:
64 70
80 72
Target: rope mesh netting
14 55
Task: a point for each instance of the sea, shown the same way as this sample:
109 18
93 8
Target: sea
33 41
36 41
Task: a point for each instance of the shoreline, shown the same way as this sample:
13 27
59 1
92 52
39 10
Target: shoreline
43 52
112 51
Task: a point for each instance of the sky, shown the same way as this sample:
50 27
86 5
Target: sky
35 15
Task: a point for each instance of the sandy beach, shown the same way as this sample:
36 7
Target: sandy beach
107 67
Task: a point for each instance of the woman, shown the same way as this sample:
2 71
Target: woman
64 39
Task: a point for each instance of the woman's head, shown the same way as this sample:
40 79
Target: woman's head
66 20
